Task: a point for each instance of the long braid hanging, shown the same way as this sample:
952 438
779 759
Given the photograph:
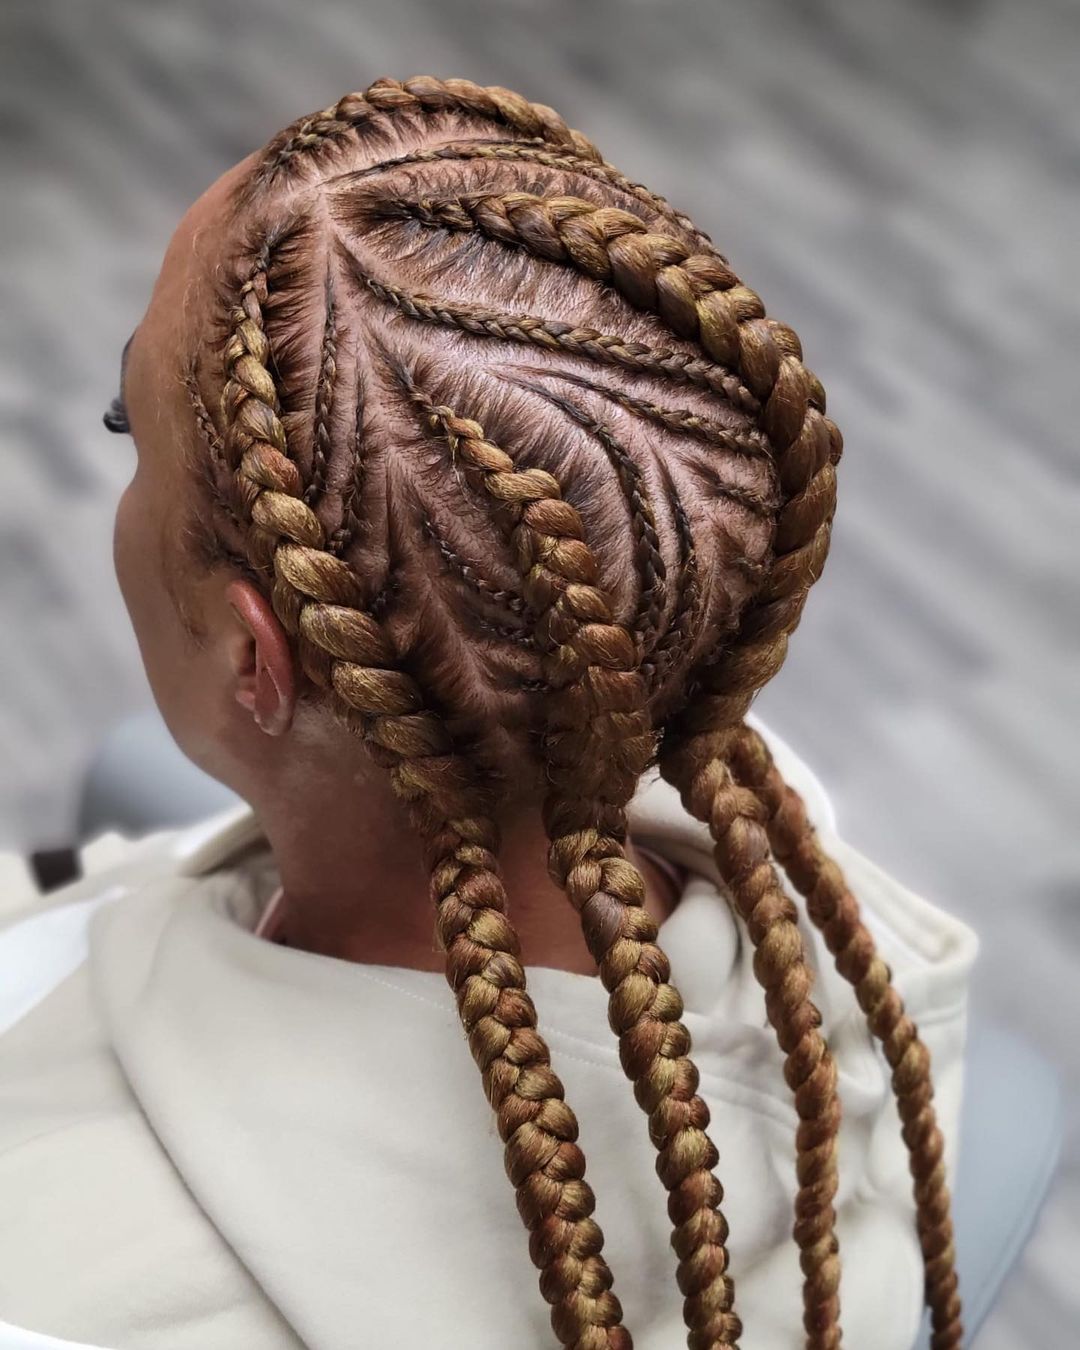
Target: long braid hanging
835 911
319 600
753 363
699 296
599 742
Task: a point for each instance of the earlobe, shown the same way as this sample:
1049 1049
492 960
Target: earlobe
265 678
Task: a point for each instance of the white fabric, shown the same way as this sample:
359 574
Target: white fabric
269 1148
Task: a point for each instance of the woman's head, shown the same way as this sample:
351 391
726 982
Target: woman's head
512 483
440 248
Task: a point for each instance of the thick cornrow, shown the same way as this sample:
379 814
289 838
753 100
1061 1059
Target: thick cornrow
598 742
320 602
699 296
652 570
835 911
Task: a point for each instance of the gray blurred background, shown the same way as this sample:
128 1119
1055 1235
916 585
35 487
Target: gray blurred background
897 180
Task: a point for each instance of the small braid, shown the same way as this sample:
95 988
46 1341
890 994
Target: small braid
746 441
324 399
352 495
204 423
682 627
319 601
468 573
835 911
599 741
607 349
423 94
517 151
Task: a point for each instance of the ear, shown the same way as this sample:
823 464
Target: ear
261 659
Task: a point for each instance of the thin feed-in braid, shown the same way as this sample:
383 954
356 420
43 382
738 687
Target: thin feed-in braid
746 441
835 911
504 151
324 399
469 574
598 741
352 495
609 349
319 601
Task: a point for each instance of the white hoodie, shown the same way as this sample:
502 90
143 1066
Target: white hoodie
212 1142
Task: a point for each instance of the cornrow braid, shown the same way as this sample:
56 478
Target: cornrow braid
679 635
503 151
598 742
697 294
652 570
204 423
320 602
551 335
324 399
835 911
352 494
746 441
420 94
700 297
470 576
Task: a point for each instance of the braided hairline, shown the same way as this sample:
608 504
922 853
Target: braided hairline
319 601
548 535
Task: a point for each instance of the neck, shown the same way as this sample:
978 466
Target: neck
355 885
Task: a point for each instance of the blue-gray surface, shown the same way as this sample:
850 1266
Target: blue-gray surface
899 182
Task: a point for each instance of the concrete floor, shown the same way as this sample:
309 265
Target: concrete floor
898 181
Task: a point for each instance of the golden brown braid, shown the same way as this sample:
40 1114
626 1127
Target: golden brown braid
598 740
320 601
835 911
699 296
502 151
421 93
